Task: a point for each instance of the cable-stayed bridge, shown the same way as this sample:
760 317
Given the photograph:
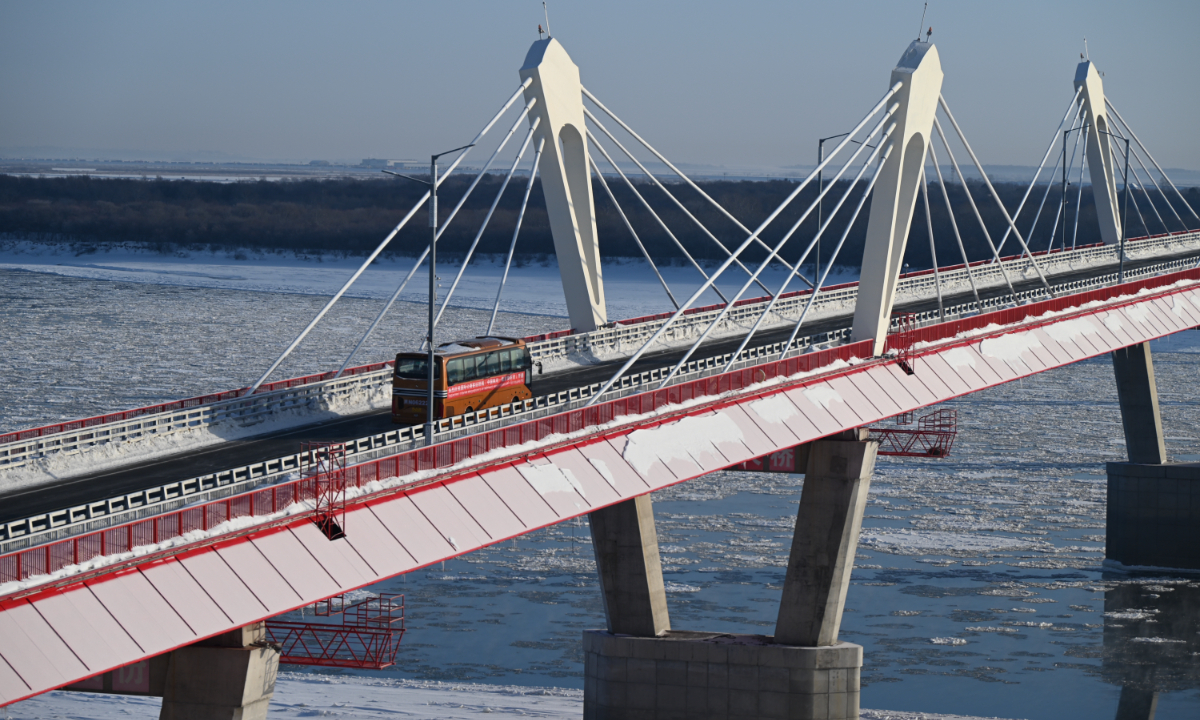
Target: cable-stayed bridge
142 554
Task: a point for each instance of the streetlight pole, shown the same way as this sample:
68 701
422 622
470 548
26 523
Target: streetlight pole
820 196
433 229
1124 209
1125 206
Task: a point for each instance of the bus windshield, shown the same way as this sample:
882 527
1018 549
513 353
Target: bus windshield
413 368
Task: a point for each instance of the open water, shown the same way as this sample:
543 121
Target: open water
980 587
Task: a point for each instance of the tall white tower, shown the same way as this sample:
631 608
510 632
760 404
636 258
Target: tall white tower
895 193
1099 154
566 179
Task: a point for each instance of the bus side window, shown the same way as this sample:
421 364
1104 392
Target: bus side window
526 360
492 366
454 371
505 360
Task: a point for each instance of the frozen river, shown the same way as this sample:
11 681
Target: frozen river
980 588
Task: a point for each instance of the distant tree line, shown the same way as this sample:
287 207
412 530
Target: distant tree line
351 217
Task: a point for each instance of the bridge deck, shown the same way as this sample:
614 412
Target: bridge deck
98 486
419 508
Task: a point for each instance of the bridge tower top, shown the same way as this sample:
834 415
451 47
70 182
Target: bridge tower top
920 72
1099 154
566 178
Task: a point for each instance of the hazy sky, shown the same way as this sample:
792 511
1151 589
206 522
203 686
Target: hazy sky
737 83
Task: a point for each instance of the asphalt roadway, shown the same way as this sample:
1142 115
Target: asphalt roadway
115 482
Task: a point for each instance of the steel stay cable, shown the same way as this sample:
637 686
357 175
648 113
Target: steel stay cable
650 210
1079 195
937 279
486 166
1137 206
954 224
1049 184
995 195
537 155
675 200
662 158
1149 199
812 243
1137 183
441 179
1053 141
746 243
1062 204
387 306
487 218
629 226
971 201
845 234
371 258
1148 155
1133 151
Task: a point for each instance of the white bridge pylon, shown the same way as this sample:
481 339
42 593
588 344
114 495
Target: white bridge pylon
566 179
1099 152
920 71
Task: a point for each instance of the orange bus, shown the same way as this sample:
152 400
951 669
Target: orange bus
468 375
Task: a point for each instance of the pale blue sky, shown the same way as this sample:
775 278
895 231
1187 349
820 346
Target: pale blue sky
745 83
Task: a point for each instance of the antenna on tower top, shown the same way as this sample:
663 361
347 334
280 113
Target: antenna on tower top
1086 56
922 23
545 10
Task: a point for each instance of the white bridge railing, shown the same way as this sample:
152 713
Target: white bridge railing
623 340
295 406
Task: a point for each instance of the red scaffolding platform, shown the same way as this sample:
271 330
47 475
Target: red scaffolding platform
933 437
366 636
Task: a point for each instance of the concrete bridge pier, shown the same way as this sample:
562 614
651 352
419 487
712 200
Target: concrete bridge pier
640 668
227 677
1153 505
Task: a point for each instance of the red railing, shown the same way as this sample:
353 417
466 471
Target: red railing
50 558
176 405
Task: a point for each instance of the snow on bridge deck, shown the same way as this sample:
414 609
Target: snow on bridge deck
61 622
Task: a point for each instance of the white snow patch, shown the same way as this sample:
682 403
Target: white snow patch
823 395
1112 321
948 641
1156 640
1009 347
550 478
775 409
602 468
684 439
959 357
1139 313
1068 330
